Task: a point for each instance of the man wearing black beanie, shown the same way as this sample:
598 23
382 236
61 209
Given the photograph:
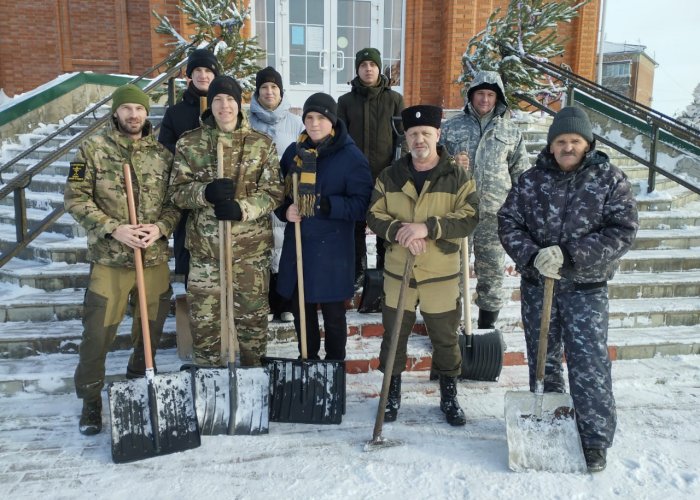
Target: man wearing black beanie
367 111
246 194
571 218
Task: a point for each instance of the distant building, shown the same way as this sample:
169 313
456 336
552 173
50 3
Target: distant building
629 71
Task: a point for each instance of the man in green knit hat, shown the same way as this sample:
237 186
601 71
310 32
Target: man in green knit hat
95 196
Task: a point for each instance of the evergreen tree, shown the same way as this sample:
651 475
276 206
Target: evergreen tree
221 19
528 27
691 114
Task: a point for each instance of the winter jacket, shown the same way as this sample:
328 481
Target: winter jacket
447 204
497 153
95 194
328 241
590 213
284 128
195 167
367 113
180 118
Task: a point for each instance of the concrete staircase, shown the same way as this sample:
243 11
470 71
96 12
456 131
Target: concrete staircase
654 308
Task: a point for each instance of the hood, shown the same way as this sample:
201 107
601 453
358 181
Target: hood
492 78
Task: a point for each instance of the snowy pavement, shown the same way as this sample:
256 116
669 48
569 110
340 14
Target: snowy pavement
656 454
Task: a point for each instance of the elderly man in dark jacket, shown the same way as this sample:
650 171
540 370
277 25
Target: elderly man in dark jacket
334 190
367 110
570 218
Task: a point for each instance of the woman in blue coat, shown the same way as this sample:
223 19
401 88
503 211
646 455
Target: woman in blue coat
334 190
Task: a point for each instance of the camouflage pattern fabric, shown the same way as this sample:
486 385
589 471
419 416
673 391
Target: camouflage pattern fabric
95 194
261 191
250 286
578 330
497 157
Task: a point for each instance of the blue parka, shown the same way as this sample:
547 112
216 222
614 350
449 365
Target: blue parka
328 242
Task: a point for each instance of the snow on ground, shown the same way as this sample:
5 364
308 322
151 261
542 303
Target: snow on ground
656 454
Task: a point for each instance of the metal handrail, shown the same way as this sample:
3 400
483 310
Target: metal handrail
19 183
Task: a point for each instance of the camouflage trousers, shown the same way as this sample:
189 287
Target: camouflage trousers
109 292
489 263
250 286
579 330
439 306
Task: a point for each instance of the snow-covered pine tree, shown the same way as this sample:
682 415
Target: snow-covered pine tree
528 27
222 19
691 114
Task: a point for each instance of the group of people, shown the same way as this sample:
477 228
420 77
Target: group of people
569 218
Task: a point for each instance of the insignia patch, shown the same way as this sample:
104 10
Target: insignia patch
77 172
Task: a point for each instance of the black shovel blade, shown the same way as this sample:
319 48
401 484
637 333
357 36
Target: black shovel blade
151 418
305 391
483 360
372 292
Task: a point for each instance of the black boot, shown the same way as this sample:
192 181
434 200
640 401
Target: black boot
448 401
136 368
91 417
393 402
595 459
487 319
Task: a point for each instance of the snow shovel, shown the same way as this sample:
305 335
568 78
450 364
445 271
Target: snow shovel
230 400
155 415
482 354
541 427
377 439
302 390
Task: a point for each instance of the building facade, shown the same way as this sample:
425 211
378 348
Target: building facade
311 42
629 71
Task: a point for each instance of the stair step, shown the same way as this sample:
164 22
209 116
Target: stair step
53 373
667 238
65 225
676 197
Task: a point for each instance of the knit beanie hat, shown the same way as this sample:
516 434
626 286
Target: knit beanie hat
570 120
202 58
368 54
266 75
321 103
130 93
422 114
224 84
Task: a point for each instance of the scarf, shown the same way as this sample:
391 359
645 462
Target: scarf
305 167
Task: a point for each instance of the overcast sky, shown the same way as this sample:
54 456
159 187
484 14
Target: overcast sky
670 30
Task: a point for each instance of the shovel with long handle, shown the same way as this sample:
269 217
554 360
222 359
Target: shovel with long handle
300 272
541 427
169 423
377 438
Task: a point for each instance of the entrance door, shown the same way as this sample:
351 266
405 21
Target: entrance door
317 42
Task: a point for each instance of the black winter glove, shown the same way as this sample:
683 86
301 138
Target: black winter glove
219 190
228 210
324 205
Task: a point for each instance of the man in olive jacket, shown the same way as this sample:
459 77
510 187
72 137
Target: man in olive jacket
95 196
424 204
367 111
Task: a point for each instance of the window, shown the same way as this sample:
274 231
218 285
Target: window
617 69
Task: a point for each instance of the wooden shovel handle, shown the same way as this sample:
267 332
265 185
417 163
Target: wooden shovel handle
544 331
225 258
202 104
466 295
300 271
138 265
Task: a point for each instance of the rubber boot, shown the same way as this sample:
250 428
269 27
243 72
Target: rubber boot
91 417
448 401
393 402
487 319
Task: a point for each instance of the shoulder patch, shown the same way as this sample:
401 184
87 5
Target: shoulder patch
76 172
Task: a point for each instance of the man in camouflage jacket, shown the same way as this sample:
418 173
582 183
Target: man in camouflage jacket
95 196
247 201
484 139
571 218
424 204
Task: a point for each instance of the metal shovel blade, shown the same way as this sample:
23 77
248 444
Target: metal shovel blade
231 400
152 417
381 442
542 433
